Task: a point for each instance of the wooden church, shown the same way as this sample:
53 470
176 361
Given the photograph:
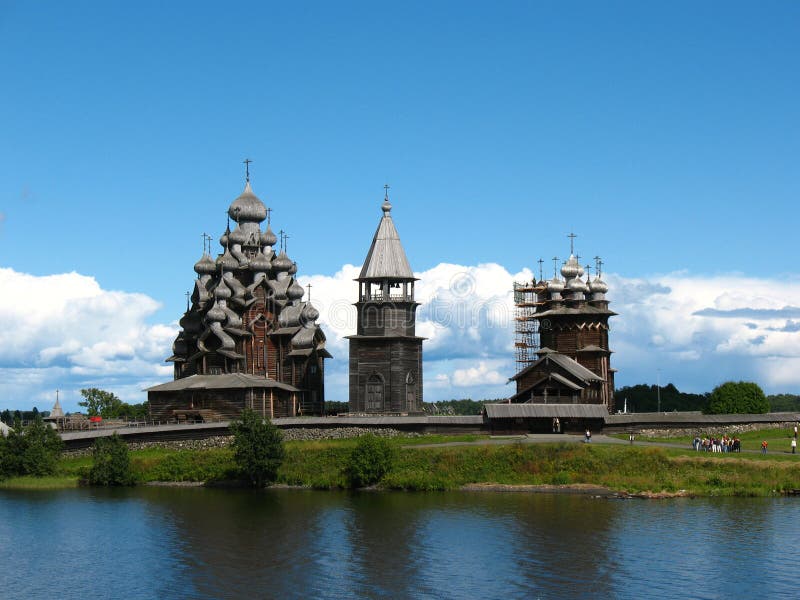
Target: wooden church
570 363
248 338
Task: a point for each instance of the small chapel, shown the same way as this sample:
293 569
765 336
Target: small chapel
249 337
385 352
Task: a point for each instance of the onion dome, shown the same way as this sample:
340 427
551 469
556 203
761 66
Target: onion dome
247 207
259 263
293 269
190 323
295 291
309 314
571 268
555 285
577 285
282 262
598 286
179 345
222 292
227 260
268 237
205 266
237 236
215 315
223 239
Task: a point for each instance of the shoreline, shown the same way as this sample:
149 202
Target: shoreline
580 489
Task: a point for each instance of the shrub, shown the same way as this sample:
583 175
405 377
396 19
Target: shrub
743 397
257 448
111 463
369 461
33 450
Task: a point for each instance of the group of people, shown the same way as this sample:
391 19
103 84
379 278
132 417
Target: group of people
713 444
732 444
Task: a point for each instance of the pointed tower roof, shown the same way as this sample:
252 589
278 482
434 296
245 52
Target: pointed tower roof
56 411
386 257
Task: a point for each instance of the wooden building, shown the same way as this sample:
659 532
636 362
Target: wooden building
386 353
247 339
571 363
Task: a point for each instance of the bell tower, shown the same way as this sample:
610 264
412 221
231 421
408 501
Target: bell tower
386 353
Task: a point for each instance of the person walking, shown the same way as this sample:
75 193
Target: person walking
764 447
794 445
588 436
630 437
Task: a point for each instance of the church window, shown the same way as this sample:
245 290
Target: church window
375 393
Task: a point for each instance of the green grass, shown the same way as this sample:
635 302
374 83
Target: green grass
636 469
321 464
29 482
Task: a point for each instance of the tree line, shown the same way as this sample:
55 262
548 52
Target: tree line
743 397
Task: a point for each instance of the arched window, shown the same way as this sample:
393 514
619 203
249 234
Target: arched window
411 392
375 393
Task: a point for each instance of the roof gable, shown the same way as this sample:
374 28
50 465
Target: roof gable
569 365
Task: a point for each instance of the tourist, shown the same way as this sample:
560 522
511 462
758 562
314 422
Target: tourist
764 447
795 431
696 443
737 445
588 436
794 445
630 437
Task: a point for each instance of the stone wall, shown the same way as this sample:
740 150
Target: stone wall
289 434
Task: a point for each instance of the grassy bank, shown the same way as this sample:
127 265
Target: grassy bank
632 469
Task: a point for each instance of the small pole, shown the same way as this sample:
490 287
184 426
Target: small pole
658 391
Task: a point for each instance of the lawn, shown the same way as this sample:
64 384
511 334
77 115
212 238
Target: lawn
778 438
322 465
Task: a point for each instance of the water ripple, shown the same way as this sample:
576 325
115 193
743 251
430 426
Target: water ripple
177 543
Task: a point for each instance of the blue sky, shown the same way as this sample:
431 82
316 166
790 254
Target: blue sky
665 136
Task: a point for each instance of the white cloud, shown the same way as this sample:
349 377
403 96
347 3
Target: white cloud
66 332
480 374
701 331
697 330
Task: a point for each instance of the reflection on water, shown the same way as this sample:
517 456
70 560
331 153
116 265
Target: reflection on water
199 543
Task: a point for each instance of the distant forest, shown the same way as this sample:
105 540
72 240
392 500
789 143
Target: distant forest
8 416
644 398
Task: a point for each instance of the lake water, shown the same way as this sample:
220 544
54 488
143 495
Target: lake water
206 543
